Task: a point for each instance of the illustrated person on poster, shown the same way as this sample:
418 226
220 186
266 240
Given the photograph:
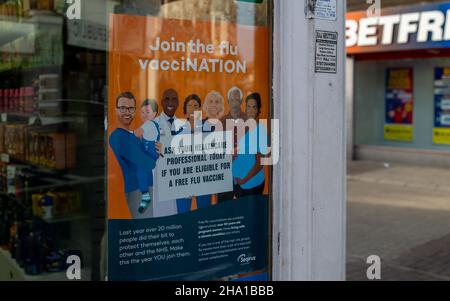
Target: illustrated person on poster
129 153
169 126
247 169
214 107
149 134
235 99
192 109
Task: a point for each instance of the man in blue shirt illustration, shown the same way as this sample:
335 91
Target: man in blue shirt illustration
130 154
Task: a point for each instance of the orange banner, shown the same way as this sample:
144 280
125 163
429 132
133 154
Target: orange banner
151 55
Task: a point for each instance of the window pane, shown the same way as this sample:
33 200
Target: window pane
61 177
51 145
186 74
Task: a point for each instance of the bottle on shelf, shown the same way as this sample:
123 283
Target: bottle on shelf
5 222
16 107
10 103
21 99
2 99
29 100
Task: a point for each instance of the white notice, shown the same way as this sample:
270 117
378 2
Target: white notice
326 10
194 166
326 51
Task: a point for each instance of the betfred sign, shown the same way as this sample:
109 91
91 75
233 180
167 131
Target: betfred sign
413 27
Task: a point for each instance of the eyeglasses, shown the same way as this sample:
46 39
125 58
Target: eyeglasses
124 110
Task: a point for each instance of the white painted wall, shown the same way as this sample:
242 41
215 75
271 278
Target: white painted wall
309 182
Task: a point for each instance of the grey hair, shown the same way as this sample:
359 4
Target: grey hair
235 89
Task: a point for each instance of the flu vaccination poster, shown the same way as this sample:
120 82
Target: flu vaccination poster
399 105
187 190
441 131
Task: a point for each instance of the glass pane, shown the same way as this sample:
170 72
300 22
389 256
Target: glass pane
51 145
62 68
193 78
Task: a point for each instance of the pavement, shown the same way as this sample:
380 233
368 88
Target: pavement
402 214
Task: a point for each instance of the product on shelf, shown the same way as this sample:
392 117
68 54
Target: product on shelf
15 179
49 81
54 262
1 100
3 180
51 149
17 100
28 100
2 138
49 90
34 257
56 204
45 5
11 99
31 241
61 149
21 101
5 221
46 40
38 146
12 9
22 8
32 146
15 140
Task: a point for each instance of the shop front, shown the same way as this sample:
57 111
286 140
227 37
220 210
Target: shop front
399 64
140 140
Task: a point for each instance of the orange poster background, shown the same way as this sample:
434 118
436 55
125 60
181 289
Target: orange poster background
130 38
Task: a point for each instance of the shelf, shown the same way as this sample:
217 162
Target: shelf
33 118
31 69
51 178
7 158
30 118
59 120
25 36
82 101
36 17
55 90
67 219
16 273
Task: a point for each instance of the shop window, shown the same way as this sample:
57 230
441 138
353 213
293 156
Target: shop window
51 145
61 174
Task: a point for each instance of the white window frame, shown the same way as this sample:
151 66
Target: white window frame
309 203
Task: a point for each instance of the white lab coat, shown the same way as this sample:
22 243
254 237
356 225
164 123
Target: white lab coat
166 208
